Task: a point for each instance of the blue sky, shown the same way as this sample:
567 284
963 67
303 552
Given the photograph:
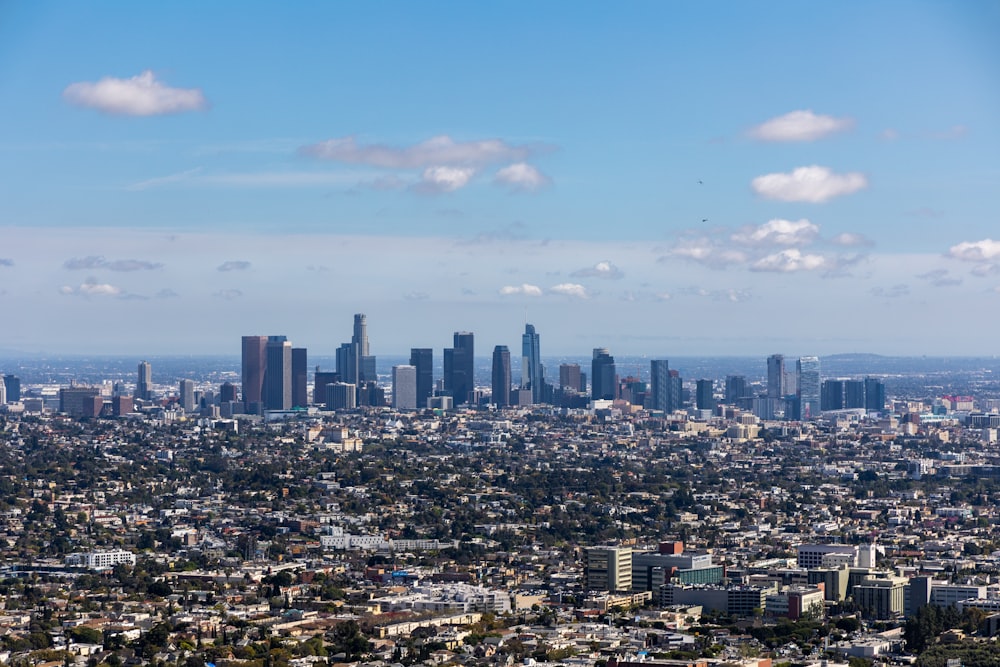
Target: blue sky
658 178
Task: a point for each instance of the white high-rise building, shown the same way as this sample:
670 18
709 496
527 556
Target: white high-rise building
404 387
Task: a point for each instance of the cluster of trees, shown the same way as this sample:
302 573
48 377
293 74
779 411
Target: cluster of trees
930 621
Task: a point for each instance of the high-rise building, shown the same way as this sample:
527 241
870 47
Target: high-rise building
185 392
459 366
278 374
501 376
422 358
603 375
254 366
665 387
404 387
300 373
704 398
854 394
807 370
874 395
341 396
320 381
12 385
776 387
831 395
532 373
354 363
227 392
144 381
569 377
736 389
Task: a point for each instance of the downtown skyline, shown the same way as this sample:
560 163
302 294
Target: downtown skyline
663 179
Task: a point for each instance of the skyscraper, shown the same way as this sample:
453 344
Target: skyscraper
143 382
458 371
776 376
569 377
354 363
404 387
254 366
501 376
300 372
603 375
659 385
186 392
704 399
321 379
278 375
831 395
422 358
807 370
874 395
736 389
12 385
854 394
532 376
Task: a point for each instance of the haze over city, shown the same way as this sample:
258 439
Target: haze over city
659 178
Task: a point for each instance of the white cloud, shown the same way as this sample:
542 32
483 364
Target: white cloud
525 289
851 239
141 95
976 251
440 150
800 126
778 232
570 289
90 287
234 265
521 176
889 134
603 269
663 296
808 184
416 296
444 179
157 181
788 261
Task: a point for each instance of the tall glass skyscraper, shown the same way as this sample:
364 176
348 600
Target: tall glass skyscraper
776 376
278 374
458 367
422 358
603 375
501 376
531 363
807 370
254 365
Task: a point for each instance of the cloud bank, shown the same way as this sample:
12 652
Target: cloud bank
800 126
812 184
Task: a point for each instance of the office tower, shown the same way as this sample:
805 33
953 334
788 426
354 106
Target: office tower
12 385
300 372
807 370
458 367
874 395
320 381
831 395
3 393
341 396
608 569
354 362
278 376
144 381
532 374
603 382
501 376
854 394
569 376
185 392
704 400
422 358
227 392
776 376
404 387
736 389
254 366
676 387
659 385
